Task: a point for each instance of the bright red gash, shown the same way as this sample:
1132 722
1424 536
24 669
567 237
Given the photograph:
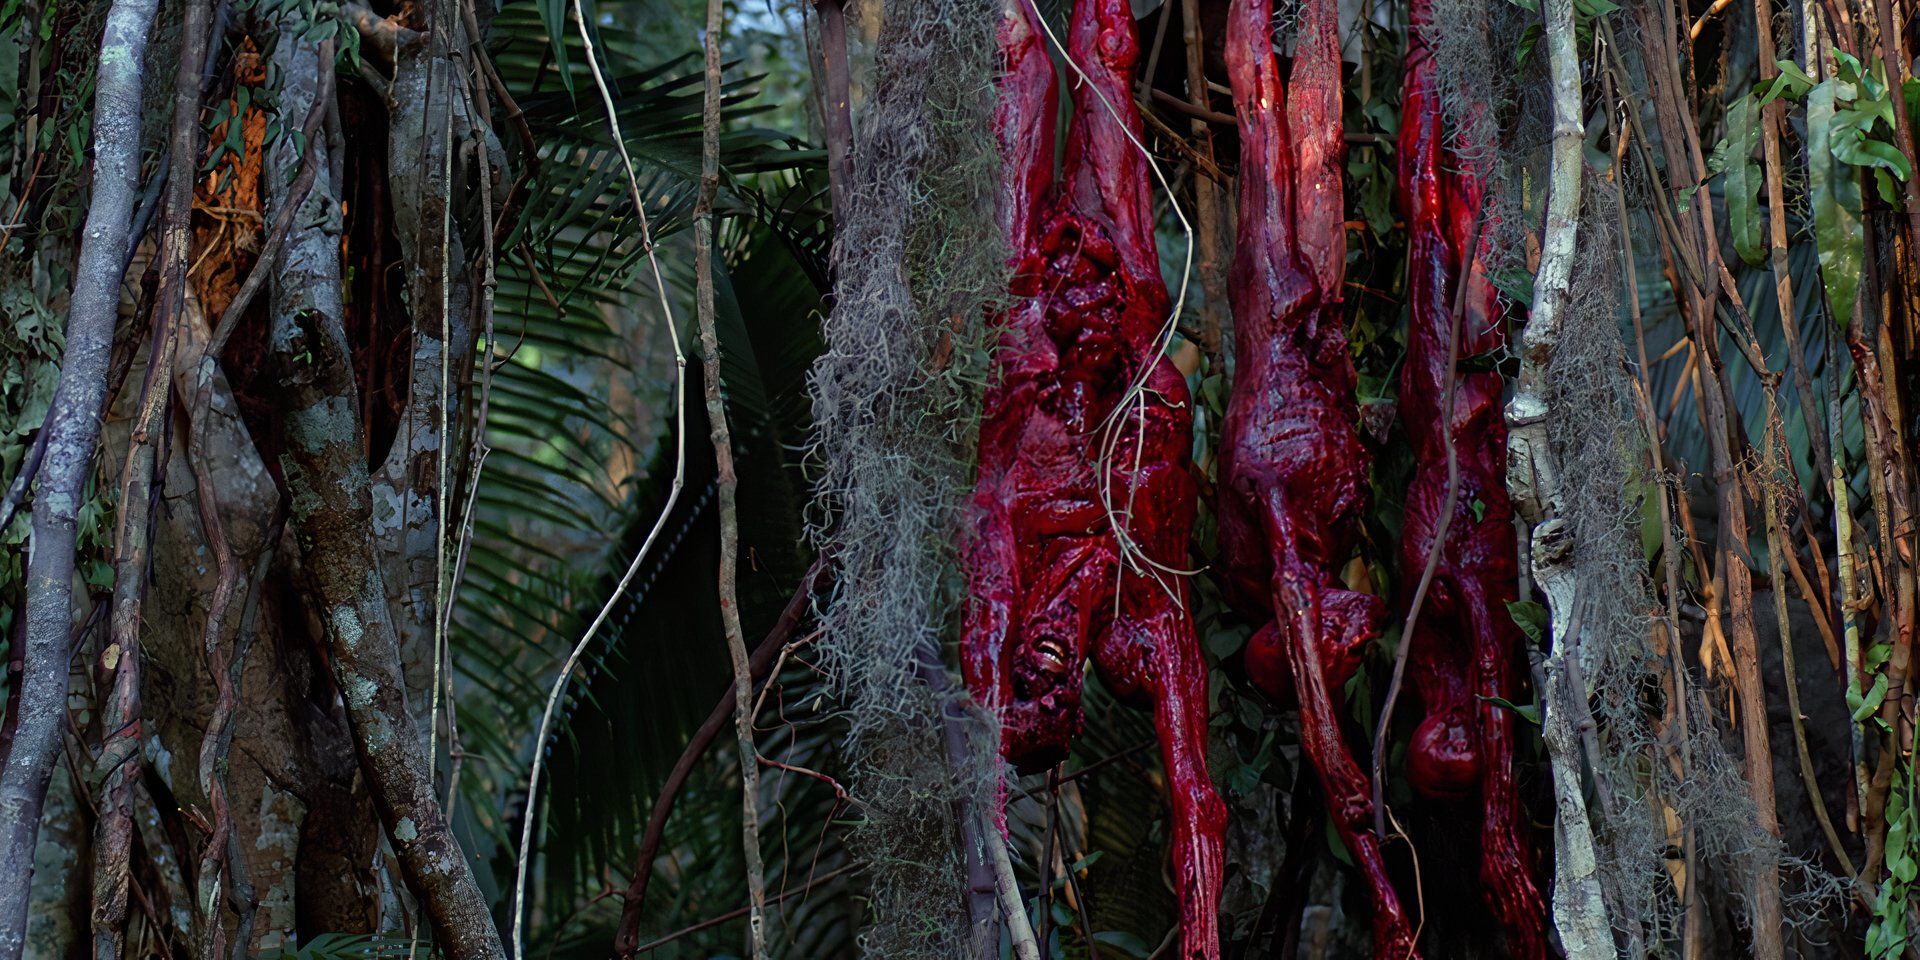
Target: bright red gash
1293 473
1465 648
1085 500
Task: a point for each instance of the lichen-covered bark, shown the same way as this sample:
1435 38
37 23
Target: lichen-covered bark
73 425
1533 478
280 698
430 123
57 922
331 515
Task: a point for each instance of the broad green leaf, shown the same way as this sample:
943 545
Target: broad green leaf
1529 712
1529 35
1883 185
1516 283
1224 642
1834 190
1081 865
1863 152
1336 845
1850 69
1864 705
1877 655
553 16
1743 180
1685 202
345 946
1531 616
1792 83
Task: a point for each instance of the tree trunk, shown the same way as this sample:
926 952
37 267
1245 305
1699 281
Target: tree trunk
73 431
332 516
1579 904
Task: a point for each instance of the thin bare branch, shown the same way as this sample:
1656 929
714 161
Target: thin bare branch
729 486
666 509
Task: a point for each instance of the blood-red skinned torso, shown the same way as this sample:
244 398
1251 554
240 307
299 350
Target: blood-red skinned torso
1294 476
1465 648
1050 583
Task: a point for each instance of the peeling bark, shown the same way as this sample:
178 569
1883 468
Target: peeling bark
73 431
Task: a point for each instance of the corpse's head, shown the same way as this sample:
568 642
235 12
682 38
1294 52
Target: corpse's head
1443 760
1043 715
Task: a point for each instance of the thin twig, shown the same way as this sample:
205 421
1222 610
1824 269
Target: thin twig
1843 551
443 406
17 490
1195 111
1019 926
1095 766
1703 303
836 108
1041 936
679 482
729 484
1772 117
1679 700
1434 549
477 447
1209 200
1776 544
1892 38
1719 6
736 914
626 940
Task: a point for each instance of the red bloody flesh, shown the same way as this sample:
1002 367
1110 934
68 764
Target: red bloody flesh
1050 583
1293 473
1465 647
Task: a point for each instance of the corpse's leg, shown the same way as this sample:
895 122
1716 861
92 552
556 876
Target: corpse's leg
1024 124
1313 108
1504 864
1297 599
1152 653
1106 172
1156 636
